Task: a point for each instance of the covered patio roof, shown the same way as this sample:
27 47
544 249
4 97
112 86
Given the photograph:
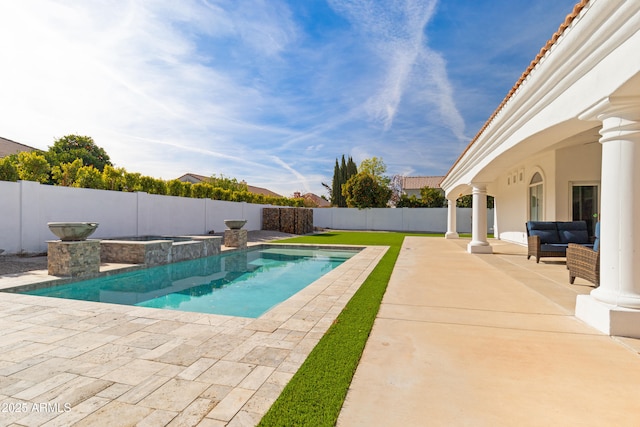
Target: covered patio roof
571 121
577 68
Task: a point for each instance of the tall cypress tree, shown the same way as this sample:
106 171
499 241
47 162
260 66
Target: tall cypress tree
352 169
343 179
342 171
336 186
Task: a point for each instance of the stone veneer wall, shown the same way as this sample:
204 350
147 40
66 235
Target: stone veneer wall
75 259
235 238
288 220
159 252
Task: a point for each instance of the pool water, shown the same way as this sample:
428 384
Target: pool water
245 283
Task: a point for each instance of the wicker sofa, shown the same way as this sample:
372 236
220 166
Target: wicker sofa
584 262
552 238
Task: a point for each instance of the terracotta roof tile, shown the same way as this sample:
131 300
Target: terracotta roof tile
317 200
418 182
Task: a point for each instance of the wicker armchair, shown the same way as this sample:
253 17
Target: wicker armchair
584 262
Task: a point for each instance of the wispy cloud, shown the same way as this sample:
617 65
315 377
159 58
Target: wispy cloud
395 33
269 91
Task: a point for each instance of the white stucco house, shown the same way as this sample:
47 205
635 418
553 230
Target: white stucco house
565 145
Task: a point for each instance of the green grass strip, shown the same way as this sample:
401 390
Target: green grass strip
315 394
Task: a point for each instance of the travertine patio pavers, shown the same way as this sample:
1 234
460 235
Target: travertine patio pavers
66 362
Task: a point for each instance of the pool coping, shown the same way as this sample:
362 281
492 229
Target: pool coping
254 357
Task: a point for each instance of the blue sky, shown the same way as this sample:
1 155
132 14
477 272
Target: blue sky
266 91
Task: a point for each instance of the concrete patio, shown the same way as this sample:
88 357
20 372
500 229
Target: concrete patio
488 340
460 339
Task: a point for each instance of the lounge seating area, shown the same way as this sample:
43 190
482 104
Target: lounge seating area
570 240
552 238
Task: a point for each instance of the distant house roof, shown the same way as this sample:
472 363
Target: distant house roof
317 200
8 147
419 182
195 178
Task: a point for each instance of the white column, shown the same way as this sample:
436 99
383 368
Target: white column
451 220
496 232
614 307
479 242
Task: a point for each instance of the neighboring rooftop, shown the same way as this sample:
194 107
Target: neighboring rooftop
8 147
195 179
419 182
313 199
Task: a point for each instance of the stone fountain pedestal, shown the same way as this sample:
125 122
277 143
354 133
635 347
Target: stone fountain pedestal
73 258
234 236
73 255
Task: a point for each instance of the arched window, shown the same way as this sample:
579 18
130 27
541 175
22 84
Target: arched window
535 198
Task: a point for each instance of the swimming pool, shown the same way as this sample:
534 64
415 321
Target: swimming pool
244 283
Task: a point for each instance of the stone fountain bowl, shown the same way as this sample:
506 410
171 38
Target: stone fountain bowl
72 231
235 224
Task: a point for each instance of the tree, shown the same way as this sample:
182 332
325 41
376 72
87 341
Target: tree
376 168
152 185
467 201
113 178
8 170
396 190
429 198
364 190
72 147
336 186
228 183
175 187
369 188
89 177
132 182
352 169
341 174
432 198
32 166
66 173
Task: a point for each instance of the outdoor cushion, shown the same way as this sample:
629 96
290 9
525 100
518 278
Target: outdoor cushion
574 236
546 230
596 243
553 247
573 232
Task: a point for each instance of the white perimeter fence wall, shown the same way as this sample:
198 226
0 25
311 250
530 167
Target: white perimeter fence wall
26 207
400 219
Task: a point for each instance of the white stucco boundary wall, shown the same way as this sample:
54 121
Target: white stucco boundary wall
401 219
26 207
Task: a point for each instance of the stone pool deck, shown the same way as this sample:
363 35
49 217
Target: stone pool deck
460 340
65 362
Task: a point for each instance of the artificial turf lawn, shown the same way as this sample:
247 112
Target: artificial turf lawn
315 394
